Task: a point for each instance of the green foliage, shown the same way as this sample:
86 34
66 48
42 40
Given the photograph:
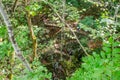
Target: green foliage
103 66
19 18
34 8
22 32
3 31
5 45
72 13
92 16
88 22
79 3
39 73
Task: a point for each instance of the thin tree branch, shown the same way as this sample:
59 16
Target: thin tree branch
14 5
34 39
67 26
11 37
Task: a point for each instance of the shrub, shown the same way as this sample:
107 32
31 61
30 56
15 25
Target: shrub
103 66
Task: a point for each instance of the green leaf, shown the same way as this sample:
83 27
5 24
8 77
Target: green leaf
103 55
115 44
33 13
111 40
107 49
116 50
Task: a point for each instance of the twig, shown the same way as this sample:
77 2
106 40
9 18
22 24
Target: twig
14 5
68 27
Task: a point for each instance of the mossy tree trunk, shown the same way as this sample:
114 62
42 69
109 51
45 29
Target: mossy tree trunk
33 37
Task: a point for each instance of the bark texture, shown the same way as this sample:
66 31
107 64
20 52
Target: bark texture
11 37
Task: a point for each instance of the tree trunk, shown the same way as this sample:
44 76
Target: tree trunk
11 37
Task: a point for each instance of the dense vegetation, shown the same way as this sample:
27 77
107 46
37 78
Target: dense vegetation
60 40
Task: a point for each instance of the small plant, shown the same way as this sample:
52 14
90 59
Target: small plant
39 73
103 66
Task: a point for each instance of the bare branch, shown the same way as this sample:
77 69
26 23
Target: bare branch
11 37
63 21
34 39
14 5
